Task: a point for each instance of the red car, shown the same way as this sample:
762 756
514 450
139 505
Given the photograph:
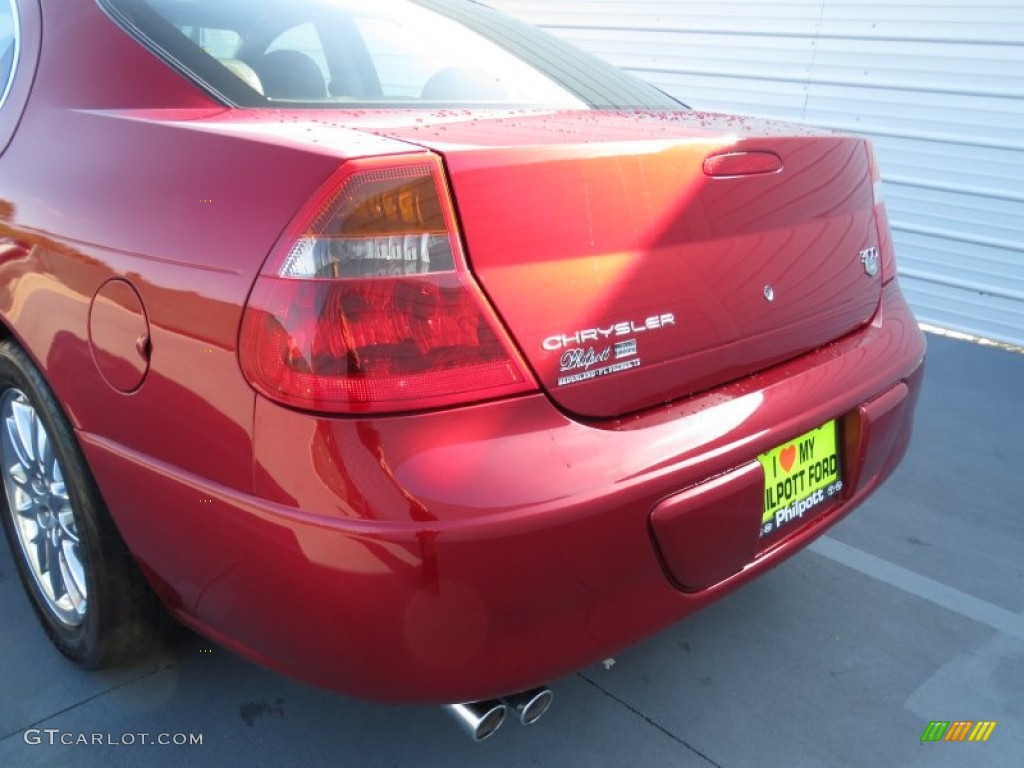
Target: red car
413 353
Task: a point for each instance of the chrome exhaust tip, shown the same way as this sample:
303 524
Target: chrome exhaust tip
530 706
479 719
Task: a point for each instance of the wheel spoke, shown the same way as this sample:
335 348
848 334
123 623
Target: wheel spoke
58 490
13 427
74 576
41 442
66 518
23 504
18 474
29 528
25 419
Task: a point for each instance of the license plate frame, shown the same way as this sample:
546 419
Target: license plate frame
803 477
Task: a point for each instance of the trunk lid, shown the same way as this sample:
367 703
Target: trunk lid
630 270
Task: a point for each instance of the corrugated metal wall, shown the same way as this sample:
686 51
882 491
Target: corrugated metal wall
938 84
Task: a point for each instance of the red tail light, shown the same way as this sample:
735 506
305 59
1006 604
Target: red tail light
366 304
885 246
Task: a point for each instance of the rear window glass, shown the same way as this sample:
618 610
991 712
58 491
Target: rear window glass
304 38
379 52
219 43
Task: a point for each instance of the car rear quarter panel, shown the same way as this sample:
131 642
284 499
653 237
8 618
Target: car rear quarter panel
114 173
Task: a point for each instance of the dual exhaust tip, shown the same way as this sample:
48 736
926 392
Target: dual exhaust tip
482 719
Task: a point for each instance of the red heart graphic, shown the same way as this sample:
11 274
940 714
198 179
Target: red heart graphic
787 457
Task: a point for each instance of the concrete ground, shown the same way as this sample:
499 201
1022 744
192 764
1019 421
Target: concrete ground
912 610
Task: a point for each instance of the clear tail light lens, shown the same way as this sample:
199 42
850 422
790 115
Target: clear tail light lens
366 305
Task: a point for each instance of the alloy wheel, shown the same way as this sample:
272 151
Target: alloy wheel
41 509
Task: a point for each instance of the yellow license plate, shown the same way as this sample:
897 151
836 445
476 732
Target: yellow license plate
799 476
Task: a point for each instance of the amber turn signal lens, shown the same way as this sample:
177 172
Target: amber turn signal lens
391 206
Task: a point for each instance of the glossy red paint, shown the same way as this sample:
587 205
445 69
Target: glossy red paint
621 227
119 335
461 553
458 555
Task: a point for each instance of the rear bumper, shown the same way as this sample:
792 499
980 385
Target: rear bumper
459 555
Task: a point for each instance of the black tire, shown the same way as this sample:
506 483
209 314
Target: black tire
116 616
